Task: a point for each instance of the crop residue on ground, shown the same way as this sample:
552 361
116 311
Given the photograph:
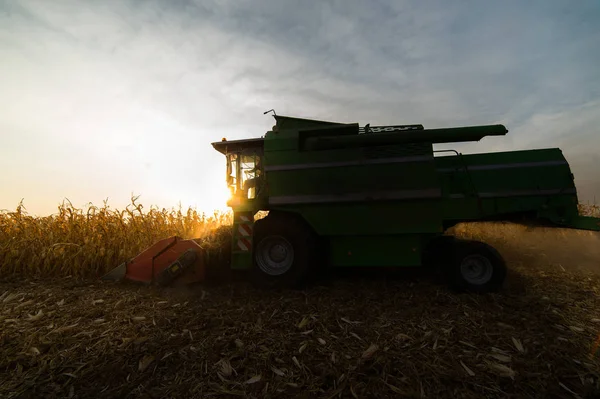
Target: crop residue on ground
355 337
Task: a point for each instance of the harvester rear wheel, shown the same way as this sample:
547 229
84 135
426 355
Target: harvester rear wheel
476 267
284 251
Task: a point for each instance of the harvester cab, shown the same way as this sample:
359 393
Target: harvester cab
244 171
342 195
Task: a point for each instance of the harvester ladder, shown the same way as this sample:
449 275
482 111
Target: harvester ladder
465 169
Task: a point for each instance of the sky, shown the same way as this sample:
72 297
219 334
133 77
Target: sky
102 100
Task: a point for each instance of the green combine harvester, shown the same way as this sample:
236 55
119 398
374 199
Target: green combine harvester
342 195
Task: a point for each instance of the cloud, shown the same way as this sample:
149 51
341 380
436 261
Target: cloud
112 97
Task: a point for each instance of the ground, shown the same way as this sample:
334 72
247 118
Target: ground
358 336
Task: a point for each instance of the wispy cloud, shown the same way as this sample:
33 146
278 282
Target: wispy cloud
101 99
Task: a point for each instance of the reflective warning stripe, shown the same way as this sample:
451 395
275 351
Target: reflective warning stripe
245 230
244 244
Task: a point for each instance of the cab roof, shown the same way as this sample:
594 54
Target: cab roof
226 146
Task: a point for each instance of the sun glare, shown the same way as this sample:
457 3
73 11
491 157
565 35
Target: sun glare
214 199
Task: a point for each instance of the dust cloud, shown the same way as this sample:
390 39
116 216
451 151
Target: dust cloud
539 247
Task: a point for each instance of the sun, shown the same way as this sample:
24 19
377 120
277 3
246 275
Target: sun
215 199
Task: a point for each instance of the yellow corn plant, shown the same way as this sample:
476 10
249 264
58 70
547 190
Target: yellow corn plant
589 209
91 241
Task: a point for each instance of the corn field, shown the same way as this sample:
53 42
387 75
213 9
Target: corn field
89 242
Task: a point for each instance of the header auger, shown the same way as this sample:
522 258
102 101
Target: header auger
342 195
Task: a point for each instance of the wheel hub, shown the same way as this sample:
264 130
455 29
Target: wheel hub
476 269
274 255
278 253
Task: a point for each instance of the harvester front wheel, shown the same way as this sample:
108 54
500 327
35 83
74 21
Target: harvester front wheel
283 252
477 267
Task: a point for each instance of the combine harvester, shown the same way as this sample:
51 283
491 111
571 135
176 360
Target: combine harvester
342 195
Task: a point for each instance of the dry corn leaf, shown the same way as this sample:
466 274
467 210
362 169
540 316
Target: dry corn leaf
302 348
468 344
563 386
277 371
356 336
468 370
145 362
321 341
254 379
370 351
518 344
226 368
501 369
23 304
221 377
349 321
303 322
395 389
402 337
9 298
138 318
576 329
501 357
37 316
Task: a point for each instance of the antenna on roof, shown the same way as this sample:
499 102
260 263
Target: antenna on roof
266 112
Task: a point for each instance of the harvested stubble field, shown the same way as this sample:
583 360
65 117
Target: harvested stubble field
65 334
